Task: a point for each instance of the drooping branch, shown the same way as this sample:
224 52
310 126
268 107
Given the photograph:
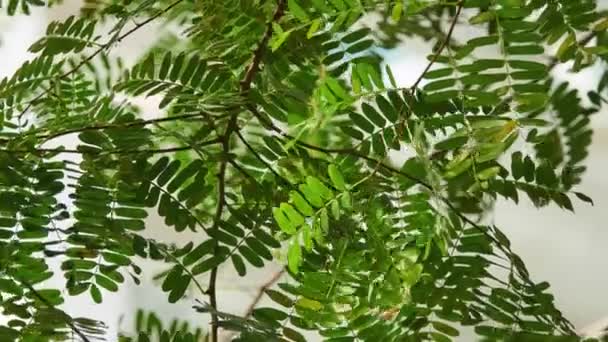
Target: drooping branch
552 64
379 164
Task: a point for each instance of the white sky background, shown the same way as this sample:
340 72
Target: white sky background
568 250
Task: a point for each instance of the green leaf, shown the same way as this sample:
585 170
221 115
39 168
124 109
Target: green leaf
9 286
482 18
297 11
165 65
529 169
300 203
197 253
283 222
279 298
396 12
452 143
172 278
95 294
207 265
584 197
318 187
336 177
307 303
239 265
314 27
269 314
294 255
106 283
445 329
251 257
361 122
293 335
178 291
294 217
373 115
259 248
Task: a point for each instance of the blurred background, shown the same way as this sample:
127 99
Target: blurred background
567 250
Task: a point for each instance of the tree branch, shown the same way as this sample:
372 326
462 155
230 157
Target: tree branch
211 291
260 293
259 51
245 86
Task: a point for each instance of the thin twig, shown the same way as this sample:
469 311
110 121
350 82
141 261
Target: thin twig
444 43
259 51
260 293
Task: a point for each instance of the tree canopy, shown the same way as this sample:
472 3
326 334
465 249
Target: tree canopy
282 136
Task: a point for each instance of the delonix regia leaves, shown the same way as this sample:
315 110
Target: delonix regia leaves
273 141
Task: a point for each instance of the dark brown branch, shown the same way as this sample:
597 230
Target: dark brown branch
259 51
245 86
98 51
221 200
444 43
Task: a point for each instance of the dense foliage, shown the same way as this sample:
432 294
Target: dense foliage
276 139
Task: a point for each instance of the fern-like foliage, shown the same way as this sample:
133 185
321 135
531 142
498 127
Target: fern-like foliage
281 135
149 327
